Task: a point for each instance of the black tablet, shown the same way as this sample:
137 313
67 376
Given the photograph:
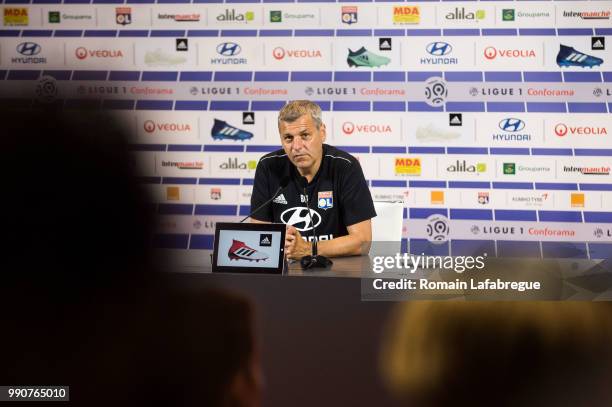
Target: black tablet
249 248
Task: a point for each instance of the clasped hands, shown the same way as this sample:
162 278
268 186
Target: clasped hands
295 246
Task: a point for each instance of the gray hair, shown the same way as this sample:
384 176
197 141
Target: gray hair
297 108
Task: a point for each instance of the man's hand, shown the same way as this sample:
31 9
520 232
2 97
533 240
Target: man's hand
295 246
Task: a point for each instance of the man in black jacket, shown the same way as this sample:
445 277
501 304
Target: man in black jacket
337 191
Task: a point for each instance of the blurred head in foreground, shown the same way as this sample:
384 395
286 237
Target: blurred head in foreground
499 353
80 303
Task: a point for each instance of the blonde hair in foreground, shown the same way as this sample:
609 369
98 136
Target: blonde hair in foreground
438 347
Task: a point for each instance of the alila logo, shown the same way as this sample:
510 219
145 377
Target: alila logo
492 53
462 14
463 166
512 125
150 126
232 15
561 130
299 218
350 127
280 53
234 164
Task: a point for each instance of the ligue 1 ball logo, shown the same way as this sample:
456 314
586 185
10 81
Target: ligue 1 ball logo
436 91
437 228
46 89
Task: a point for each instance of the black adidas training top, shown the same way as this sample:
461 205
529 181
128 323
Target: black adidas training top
338 194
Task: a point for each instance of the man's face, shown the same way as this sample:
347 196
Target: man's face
302 142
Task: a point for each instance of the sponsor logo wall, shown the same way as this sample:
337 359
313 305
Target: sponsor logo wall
493 118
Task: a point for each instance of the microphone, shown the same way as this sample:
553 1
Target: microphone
314 261
283 184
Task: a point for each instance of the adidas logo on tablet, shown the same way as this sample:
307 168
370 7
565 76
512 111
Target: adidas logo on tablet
265 240
280 199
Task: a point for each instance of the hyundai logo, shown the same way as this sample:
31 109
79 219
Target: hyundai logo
29 49
298 218
512 125
439 48
228 49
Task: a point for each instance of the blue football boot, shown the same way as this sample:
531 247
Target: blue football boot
568 56
222 131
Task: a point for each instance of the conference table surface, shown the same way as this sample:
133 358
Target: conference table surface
350 266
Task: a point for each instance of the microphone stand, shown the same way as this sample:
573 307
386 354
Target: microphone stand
284 183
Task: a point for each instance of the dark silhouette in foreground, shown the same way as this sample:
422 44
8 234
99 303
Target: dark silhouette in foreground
80 302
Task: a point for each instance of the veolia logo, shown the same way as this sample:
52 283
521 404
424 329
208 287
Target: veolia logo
149 126
82 53
562 130
280 53
348 128
492 53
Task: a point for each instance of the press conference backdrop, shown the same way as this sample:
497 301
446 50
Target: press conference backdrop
490 120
